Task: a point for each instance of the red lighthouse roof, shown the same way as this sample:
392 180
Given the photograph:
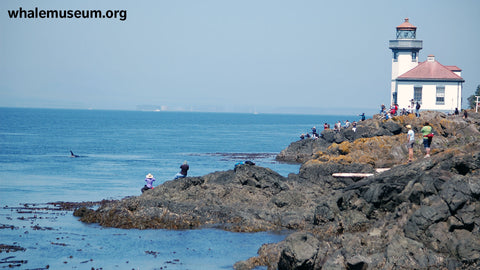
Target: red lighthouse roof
431 70
406 25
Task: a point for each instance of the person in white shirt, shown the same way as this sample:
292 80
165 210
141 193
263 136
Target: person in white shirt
411 142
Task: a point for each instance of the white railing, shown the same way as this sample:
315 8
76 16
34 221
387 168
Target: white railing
477 103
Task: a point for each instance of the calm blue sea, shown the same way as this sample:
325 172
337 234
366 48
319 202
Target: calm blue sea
116 150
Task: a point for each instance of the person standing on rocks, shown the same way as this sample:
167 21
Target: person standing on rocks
149 179
410 142
363 116
427 137
183 170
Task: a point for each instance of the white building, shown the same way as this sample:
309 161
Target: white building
433 85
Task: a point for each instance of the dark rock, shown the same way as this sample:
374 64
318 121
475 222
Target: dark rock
338 137
301 151
268 255
411 254
323 214
436 211
289 198
334 261
357 263
455 193
393 127
350 135
263 179
83 212
354 221
300 252
466 246
328 135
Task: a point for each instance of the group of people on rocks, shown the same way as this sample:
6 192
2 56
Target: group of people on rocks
414 107
426 131
307 135
457 113
149 179
337 127
427 136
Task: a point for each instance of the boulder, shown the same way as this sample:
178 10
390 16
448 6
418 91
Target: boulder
394 128
300 252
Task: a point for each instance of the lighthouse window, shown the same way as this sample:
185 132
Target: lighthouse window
417 94
395 56
440 97
414 57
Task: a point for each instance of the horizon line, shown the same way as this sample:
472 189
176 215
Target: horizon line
279 110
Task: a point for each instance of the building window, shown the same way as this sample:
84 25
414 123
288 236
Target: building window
440 97
395 56
417 94
414 57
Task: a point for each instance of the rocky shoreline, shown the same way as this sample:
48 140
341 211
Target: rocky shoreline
419 215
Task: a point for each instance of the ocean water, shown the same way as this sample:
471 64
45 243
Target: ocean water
116 150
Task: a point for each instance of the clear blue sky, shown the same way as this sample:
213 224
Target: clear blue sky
307 56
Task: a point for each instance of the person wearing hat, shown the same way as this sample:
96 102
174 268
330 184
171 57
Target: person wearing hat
411 142
183 171
149 179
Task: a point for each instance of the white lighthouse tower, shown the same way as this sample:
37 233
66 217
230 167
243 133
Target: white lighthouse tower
405 53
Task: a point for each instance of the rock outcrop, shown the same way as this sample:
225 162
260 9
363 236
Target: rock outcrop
419 215
382 142
422 215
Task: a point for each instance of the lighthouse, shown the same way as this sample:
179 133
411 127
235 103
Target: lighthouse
405 49
431 84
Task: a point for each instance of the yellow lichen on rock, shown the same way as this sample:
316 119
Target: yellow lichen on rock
372 150
341 159
344 148
313 161
333 148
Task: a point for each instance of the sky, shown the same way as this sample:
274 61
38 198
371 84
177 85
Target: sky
265 56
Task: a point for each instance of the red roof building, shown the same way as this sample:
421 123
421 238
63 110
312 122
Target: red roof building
432 70
433 85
